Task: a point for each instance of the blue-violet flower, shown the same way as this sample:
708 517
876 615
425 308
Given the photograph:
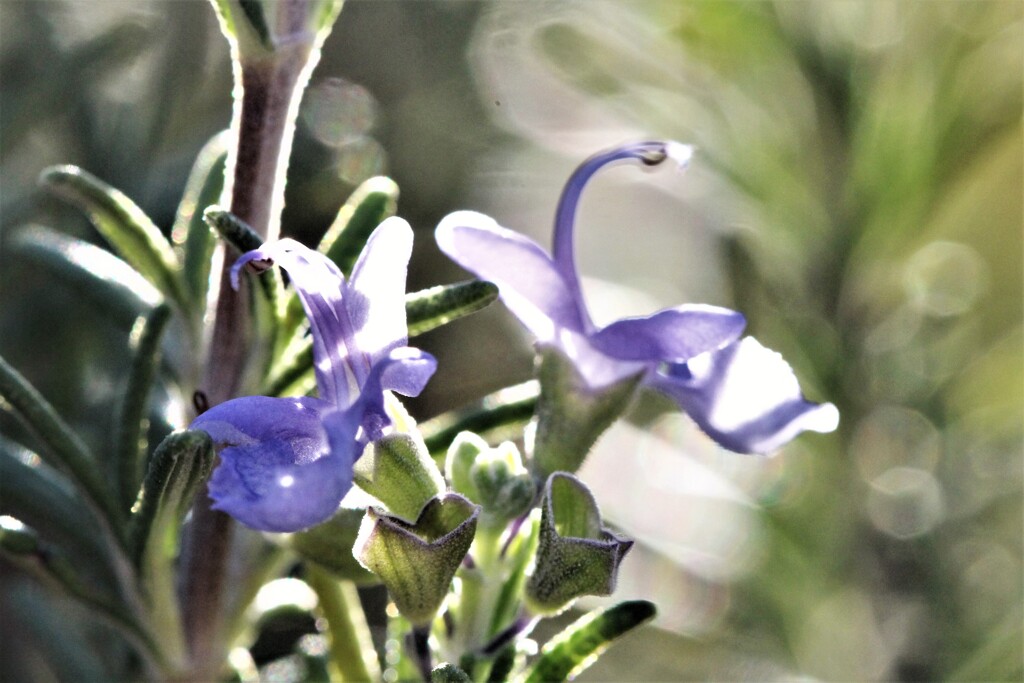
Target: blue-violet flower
741 394
286 463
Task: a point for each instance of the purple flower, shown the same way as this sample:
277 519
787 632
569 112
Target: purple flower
286 463
741 394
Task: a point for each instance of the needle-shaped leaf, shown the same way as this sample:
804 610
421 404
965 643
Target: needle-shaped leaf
512 406
130 445
204 188
180 465
579 645
31 612
128 229
109 282
64 450
239 234
437 306
22 545
233 229
42 499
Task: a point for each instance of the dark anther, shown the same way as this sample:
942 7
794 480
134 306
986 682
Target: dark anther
260 265
653 157
200 402
449 624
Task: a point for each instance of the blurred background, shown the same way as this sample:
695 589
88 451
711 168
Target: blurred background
856 192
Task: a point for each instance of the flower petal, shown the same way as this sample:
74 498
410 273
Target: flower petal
405 370
530 284
276 472
675 334
320 285
745 397
375 296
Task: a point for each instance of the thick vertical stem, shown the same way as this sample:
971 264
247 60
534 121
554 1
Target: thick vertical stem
267 94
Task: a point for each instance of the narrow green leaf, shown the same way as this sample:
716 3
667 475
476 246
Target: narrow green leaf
579 645
510 406
204 188
42 499
31 612
95 273
372 202
233 229
130 444
437 306
64 449
180 465
132 234
22 545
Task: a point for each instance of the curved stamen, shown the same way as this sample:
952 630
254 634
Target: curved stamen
649 153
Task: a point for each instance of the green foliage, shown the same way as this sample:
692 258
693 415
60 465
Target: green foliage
190 232
365 209
128 229
577 647
63 448
431 308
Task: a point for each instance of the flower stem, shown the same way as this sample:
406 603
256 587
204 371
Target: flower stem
207 545
351 646
267 94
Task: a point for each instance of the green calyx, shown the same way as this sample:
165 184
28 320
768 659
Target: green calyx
576 554
418 561
571 415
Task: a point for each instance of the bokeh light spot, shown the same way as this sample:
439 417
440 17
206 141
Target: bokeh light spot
944 278
905 502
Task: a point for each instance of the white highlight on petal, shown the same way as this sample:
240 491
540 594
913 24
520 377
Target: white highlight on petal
679 153
755 382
